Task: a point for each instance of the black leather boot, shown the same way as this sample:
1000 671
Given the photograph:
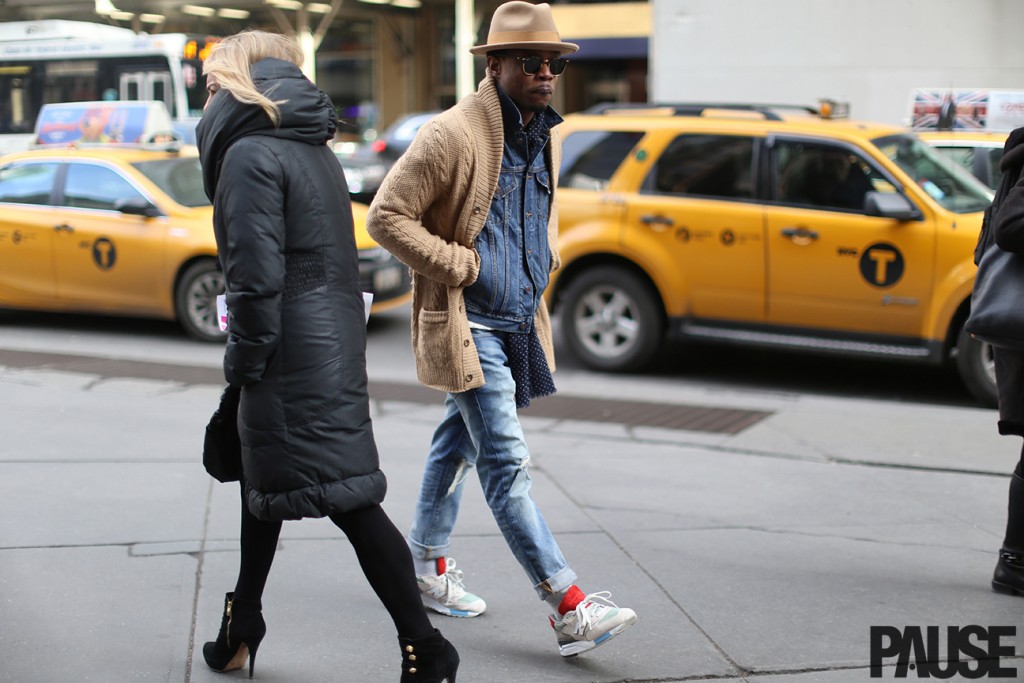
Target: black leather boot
428 660
1009 575
241 631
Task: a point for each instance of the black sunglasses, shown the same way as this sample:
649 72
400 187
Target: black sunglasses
531 65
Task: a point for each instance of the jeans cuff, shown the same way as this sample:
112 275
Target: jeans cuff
427 552
557 583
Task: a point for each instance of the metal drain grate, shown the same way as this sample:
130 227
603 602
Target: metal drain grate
559 407
629 413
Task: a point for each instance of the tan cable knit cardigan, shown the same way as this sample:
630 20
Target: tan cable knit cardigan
429 211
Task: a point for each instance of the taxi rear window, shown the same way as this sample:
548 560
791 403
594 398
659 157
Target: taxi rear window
181 178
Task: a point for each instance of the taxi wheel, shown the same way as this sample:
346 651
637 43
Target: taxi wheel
611 320
195 300
977 367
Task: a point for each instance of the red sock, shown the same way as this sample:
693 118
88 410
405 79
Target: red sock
442 567
573 597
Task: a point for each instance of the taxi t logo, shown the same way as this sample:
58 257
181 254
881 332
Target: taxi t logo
881 264
923 654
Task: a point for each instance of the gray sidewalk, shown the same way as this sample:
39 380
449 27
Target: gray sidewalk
762 555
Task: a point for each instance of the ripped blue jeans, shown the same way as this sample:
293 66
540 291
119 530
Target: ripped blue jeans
481 430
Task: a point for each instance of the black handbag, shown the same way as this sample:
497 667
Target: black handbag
997 302
222 447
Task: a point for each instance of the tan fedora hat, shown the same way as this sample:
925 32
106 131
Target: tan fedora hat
521 25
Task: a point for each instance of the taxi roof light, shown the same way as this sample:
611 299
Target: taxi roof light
833 109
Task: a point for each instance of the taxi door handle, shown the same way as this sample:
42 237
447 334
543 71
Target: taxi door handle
800 234
657 221
63 227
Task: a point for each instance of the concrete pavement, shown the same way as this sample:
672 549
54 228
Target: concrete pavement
765 555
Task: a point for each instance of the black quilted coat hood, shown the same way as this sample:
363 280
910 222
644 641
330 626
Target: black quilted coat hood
296 332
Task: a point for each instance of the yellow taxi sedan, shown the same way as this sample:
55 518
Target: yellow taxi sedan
126 231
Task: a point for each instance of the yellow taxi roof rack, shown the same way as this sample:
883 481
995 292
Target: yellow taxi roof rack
769 112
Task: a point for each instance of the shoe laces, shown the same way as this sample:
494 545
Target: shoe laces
589 611
452 579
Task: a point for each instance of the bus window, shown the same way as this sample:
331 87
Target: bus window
47 61
159 88
131 87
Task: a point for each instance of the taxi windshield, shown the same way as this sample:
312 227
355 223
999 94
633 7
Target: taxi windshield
948 184
181 178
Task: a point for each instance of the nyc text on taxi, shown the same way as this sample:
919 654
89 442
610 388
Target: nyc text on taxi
764 225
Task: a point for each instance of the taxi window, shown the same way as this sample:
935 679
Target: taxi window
27 183
824 176
96 187
946 182
983 162
591 157
719 166
181 178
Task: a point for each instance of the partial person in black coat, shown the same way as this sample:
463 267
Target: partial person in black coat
296 341
1006 229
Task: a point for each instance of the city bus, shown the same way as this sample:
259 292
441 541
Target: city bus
51 61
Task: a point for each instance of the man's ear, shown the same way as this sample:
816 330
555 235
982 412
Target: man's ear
493 66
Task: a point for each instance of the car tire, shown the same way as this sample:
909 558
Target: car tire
195 300
976 366
611 320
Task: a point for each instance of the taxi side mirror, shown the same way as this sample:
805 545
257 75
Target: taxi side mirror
137 206
890 205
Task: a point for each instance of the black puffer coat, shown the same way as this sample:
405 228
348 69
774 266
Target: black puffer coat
1006 228
296 332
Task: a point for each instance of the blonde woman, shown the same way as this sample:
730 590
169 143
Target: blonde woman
296 342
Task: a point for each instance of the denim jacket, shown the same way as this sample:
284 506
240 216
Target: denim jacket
515 259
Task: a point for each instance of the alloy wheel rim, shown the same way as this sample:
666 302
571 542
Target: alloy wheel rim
606 322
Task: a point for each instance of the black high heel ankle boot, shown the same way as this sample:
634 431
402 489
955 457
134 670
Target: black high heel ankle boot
241 631
428 660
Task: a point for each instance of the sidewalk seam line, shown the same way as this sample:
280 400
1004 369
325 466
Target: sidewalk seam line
199 576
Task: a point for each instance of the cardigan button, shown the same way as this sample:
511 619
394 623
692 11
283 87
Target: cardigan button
465 342
469 378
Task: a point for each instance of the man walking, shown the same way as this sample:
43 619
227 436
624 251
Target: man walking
470 209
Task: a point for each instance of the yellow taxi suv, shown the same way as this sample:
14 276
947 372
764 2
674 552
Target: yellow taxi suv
127 230
763 225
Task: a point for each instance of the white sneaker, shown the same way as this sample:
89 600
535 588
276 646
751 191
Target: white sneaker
595 621
444 592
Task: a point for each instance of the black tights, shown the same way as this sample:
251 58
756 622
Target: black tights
380 547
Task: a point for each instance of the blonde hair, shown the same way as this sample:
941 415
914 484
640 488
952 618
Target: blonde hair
231 62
